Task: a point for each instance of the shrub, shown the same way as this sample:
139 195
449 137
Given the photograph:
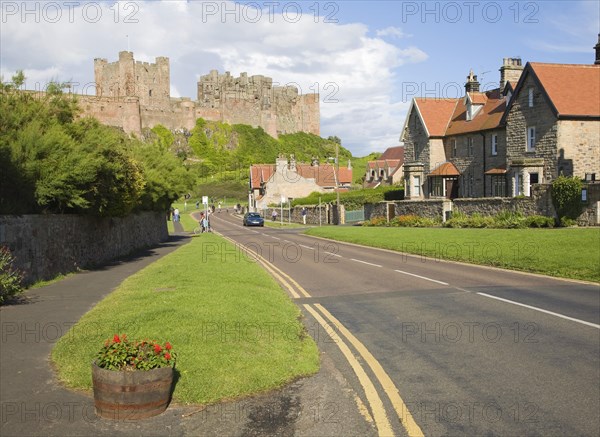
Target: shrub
509 220
458 220
566 196
10 278
480 221
567 222
376 221
411 220
539 221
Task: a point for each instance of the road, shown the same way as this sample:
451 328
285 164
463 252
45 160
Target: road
441 348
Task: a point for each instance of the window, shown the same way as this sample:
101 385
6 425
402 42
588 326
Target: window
437 187
531 139
453 151
416 185
518 187
498 186
470 146
530 97
494 144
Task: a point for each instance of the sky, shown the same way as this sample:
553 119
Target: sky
366 59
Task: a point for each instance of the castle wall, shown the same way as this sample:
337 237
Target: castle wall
251 100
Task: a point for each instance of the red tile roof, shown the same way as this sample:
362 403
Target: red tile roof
260 173
488 117
497 171
573 89
323 174
445 169
436 113
393 153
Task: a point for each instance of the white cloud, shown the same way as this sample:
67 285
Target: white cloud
395 32
339 60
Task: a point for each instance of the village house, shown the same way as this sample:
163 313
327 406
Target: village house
387 169
543 120
270 183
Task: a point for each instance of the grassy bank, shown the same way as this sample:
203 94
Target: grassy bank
568 253
233 328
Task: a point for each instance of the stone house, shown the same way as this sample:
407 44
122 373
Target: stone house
387 169
553 125
269 183
543 120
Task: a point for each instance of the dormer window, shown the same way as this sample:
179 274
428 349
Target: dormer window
508 97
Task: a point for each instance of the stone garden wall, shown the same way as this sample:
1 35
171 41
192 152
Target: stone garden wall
47 245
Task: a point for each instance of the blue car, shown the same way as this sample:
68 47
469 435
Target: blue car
253 219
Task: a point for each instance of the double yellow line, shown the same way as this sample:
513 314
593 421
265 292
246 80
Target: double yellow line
341 336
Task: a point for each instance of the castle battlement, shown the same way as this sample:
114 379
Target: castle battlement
252 100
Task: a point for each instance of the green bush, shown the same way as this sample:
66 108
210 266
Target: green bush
509 220
376 221
566 196
539 221
413 221
567 222
458 220
10 278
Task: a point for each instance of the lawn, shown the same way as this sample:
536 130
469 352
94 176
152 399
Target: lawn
234 330
569 253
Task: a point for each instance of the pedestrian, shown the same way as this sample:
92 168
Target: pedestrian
176 215
219 207
274 215
197 204
171 211
304 215
205 225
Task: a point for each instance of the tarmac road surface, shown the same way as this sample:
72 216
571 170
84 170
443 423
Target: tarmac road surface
467 350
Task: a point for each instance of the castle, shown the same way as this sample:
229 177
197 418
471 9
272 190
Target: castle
136 95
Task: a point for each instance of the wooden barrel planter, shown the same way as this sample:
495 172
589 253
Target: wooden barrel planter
122 395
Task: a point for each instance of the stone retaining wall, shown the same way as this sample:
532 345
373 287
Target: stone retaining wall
47 245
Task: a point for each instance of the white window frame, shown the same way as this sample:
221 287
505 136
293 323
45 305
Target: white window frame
494 144
417 186
530 97
531 139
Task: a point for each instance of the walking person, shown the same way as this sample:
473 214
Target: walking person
274 215
304 215
176 215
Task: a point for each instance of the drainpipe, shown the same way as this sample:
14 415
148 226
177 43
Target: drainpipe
483 173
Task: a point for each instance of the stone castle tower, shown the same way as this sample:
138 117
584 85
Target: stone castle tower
134 95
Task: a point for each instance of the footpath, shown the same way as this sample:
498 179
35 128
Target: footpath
34 403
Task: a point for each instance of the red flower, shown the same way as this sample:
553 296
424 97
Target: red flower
168 346
157 348
168 356
116 339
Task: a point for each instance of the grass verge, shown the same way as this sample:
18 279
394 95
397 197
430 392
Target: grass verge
234 330
568 253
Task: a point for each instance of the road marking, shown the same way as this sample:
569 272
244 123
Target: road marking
286 241
266 235
276 238
334 254
306 247
364 262
388 385
381 421
422 277
593 325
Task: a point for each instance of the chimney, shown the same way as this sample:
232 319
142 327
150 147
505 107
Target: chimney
472 86
510 72
281 164
597 47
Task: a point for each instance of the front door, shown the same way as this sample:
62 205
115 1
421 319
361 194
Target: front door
451 188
